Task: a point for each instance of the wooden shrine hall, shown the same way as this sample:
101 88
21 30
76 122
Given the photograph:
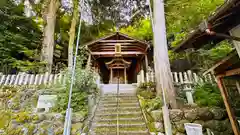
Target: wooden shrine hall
118 56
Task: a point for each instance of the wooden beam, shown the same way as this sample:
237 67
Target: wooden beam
230 73
117 41
230 113
113 53
113 45
232 54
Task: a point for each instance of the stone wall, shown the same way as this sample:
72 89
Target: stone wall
213 118
18 115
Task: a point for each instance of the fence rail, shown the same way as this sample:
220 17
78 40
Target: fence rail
177 77
48 79
32 79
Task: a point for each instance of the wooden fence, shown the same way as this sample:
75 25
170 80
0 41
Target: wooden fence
178 77
47 79
32 79
185 81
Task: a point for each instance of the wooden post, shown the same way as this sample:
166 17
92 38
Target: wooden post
89 61
228 107
142 76
146 63
26 79
21 78
41 79
125 75
36 80
111 76
55 79
195 77
2 80
16 80
31 79
45 78
12 79
50 79
238 86
7 80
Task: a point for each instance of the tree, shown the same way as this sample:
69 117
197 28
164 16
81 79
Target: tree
20 39
50 13
163 77
72 31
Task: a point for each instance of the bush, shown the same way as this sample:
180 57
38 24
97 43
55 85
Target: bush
84 84
208 94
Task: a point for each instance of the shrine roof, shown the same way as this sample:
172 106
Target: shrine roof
222 20
106 46
228 66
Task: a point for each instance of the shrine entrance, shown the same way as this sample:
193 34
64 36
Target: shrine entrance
118 70
118 55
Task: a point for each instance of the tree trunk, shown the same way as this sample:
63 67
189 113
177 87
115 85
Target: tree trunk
72 31
49 31
162 66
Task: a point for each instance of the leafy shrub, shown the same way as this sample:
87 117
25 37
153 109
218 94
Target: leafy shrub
147 85
84 84
207 94
23 117
150 104
147 90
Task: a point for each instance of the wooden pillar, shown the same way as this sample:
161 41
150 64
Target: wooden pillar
125 75
146 63
238 86
111 75
228 107
89 61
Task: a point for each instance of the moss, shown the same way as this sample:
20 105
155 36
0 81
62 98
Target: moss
5 118
30 128
22 117
14 131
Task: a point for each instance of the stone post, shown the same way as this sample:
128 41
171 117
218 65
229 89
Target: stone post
111 75
138 79
142 76
125 75
188 90
90 104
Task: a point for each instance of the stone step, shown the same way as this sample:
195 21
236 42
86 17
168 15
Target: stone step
140 118
119 113
124 128
120 96
114 109
123 133
120 105
138 125
119 101
114 121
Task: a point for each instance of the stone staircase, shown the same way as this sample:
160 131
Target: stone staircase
130 118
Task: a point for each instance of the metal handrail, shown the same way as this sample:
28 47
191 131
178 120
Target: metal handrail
90 120
118 104
144 116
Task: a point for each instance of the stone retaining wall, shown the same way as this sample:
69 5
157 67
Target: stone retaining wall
213 118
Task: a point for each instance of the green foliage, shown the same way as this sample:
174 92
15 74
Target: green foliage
85 84
204 58
141 30
5 118
22 117
208 94
19 39
186 14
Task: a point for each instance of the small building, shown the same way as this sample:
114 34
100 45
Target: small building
119 56
223 24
